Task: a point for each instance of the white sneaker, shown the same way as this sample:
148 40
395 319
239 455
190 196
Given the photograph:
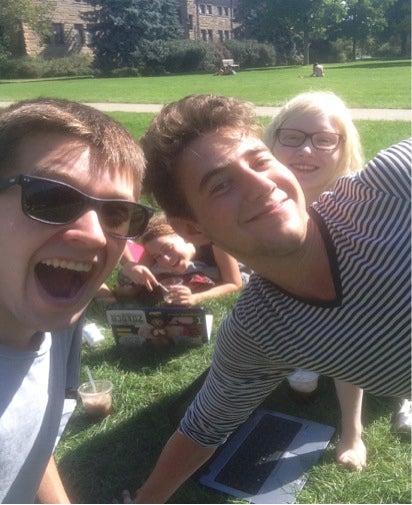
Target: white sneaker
403 419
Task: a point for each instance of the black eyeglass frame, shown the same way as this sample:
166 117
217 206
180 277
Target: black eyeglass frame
89 202
341 138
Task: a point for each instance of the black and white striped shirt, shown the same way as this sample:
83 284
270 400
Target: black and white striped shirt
362 337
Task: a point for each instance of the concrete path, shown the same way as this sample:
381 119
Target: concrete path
371 114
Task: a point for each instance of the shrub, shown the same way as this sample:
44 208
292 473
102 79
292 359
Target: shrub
340 51
125 72
29 67
68 66
192 56
251 54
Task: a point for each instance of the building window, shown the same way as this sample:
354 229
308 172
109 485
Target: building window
202 8
220 34
203 34
220 10
89 34
209 9
79 35
190 22
210 35
227 37
58 33
226 11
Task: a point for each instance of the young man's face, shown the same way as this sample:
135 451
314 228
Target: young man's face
50 272
242 198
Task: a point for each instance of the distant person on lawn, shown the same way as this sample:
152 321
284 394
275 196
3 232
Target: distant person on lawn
318 70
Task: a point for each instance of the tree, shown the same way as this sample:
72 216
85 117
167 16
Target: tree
131 33
13 14
398 17
287 23
364 18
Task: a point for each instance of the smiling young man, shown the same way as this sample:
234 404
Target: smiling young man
331 291
70 178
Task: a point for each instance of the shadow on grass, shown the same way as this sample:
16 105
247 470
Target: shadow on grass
372 65
121 452
120 456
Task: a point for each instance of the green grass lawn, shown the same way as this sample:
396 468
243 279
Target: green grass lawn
98 460
368 84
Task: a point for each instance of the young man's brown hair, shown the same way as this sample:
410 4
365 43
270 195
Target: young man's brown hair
112 147
178 124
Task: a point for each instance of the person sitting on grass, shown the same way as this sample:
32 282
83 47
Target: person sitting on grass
318 70
190 273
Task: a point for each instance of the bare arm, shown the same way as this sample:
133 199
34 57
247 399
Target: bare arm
51 489
231 281
140 275
350 450
180 458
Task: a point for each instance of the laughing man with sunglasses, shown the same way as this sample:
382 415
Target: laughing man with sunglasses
70 179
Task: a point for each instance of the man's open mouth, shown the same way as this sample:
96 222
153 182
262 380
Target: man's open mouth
62 278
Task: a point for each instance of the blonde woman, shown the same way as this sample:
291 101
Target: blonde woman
314 136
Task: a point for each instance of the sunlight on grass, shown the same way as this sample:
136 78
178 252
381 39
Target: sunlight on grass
390 81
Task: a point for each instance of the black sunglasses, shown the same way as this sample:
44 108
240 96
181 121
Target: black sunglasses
55 202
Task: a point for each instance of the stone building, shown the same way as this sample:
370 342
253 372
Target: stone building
72 22
208 20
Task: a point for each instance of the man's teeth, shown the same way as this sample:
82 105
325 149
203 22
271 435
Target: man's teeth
307 168
70 265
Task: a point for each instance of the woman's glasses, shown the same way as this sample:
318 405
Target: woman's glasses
58 203
325 141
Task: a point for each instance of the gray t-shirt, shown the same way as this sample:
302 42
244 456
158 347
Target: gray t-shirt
32 392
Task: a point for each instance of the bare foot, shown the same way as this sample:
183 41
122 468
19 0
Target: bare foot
351 454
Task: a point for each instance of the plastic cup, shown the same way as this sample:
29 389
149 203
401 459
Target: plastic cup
97 400
303 381
168 283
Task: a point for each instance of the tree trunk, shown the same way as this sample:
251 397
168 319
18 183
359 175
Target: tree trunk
306 47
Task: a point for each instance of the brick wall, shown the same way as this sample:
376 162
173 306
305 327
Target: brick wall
209 20
71 20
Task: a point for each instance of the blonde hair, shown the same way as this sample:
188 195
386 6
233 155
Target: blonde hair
327 103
